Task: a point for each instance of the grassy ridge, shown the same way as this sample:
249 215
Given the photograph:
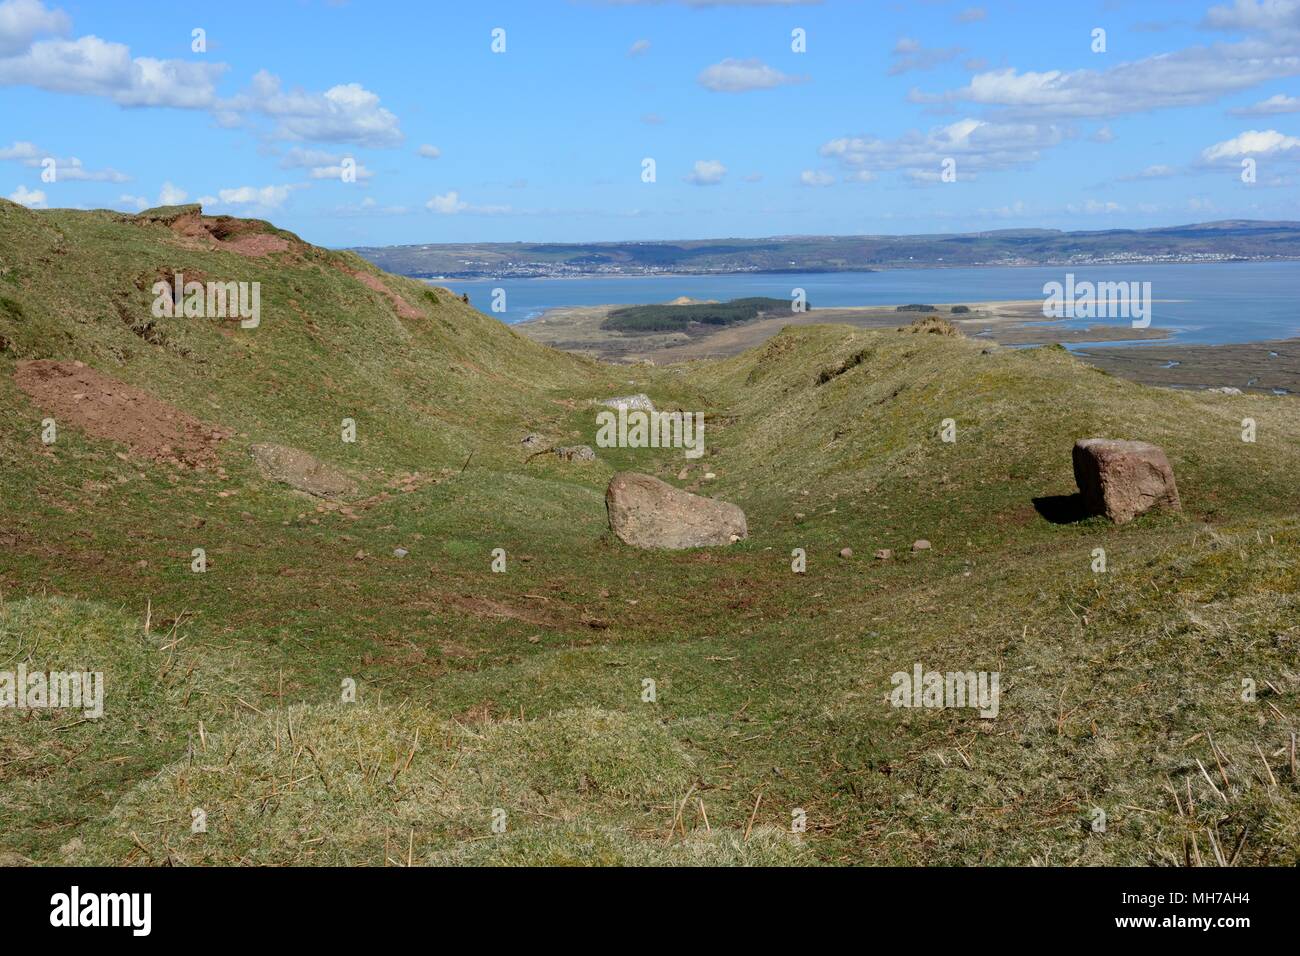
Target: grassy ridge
527 688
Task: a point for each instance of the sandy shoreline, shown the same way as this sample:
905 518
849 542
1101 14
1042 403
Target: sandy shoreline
1266 367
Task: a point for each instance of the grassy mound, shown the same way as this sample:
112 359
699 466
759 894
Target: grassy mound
59 767
354 784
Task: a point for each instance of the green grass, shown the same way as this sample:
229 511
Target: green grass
527 687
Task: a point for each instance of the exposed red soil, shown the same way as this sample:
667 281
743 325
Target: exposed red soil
257 244
72 393
245 237
403 308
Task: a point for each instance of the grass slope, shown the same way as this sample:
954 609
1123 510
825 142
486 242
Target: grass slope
528 688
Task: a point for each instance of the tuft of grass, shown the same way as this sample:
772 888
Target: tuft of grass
933 325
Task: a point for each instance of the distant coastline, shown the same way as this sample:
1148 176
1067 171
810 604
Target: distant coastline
1195 244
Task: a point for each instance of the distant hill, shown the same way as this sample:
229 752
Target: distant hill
1198 242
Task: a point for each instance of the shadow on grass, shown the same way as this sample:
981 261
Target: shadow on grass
1062 509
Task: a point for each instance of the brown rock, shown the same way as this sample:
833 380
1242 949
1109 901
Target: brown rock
884 554
648 513
920 544
1123 479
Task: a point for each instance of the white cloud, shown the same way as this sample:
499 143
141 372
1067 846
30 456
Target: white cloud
706 172
972 15
91 66
638 48
1103 135
816 177
975 145
298 158
324 165
21 21
22 150
95 67
910 55
1250 143
69 169
1278 103
739 76
1252 15
347 113
171 195
32 198
72 170
369 207
1189 77
361 171
139 202
1093 207
450 204
1158 171
266 197
429 152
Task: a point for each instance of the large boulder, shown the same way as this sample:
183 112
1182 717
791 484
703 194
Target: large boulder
1123 479
647 513
301 471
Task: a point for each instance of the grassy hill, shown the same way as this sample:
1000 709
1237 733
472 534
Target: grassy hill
519 697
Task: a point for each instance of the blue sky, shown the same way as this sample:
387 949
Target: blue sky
546 140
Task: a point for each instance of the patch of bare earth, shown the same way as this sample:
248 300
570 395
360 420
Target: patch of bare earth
244 237
257 244
73 393
400 305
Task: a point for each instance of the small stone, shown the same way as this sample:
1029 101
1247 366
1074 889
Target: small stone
884 554
400 552
576 453
920 544
846 552
360 555
709 476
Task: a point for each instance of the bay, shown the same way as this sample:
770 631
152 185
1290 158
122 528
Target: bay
1199 304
